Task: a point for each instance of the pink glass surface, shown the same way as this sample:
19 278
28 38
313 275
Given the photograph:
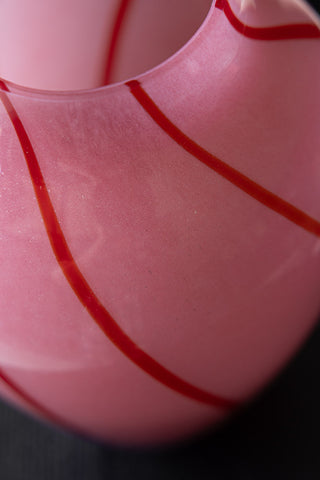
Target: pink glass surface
160 253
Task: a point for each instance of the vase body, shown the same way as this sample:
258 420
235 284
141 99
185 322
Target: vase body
160 255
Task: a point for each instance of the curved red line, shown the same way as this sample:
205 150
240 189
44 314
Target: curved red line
279 32
235 177
37 406
115 35
82 289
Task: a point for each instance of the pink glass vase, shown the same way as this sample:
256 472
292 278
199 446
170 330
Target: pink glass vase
160 253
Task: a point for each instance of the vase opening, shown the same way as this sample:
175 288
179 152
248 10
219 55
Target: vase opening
76 44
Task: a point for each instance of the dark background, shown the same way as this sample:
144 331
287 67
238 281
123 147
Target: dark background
276 437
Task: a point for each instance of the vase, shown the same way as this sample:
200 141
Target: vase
159 210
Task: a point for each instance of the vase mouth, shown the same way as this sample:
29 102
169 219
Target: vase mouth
52 94
64 95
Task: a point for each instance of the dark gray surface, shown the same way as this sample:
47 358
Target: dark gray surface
315 4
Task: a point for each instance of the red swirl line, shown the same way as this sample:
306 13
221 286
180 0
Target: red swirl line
82 289
278 32
115 35
244 183
37 406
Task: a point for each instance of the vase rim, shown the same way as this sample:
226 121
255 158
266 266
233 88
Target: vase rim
21 90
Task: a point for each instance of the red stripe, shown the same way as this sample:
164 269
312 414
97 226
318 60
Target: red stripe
37 406
84 292
241 181
115 35
279 32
